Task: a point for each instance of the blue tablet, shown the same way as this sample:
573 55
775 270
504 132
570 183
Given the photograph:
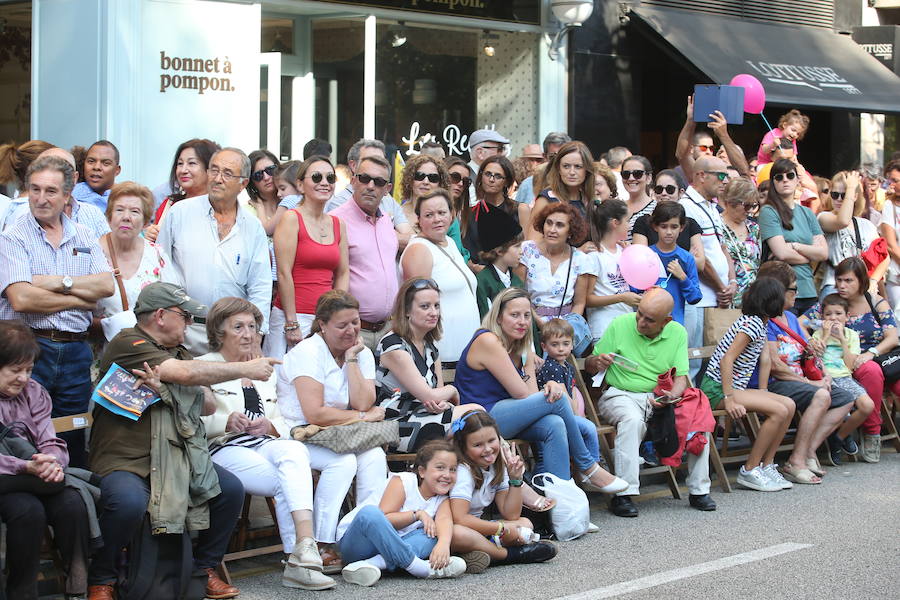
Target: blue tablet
728 99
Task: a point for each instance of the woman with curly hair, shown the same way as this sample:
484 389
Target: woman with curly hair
422 175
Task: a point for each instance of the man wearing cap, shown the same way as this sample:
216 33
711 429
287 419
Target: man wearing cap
482 144
160 464
372 247
541 155
52 274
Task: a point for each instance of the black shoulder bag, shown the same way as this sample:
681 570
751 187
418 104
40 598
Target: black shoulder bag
889 362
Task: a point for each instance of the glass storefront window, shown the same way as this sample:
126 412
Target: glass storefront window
277 36
15 72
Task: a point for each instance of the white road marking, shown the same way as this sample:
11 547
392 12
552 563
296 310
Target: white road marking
643 583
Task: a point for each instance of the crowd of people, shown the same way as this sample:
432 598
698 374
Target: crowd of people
266 301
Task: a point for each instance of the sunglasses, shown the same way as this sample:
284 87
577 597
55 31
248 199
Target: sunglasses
722 175
432 177
366 179
790 176
494 176
705 148
635 174
838 195
456 178
669 189
423 284
258 175
792 289
317 177
748 206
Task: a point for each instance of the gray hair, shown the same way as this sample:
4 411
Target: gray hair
555 138
616 156
53 163
355 149
245 160
381 162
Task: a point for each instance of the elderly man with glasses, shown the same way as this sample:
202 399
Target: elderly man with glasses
373 248
216 248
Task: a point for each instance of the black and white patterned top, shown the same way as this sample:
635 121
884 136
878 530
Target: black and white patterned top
755 328
427 364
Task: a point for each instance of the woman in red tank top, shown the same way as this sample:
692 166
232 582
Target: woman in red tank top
312 257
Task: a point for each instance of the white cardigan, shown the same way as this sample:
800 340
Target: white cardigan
230 398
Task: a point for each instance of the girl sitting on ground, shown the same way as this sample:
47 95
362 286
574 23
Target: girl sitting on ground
490 471
407 526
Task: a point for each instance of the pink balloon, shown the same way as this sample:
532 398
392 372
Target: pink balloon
754 93
640 266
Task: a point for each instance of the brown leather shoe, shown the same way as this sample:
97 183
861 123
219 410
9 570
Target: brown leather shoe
216 588
101 592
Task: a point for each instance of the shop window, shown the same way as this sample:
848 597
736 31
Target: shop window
15 72
277 36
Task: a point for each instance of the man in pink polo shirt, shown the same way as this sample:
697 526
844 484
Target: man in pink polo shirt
373 247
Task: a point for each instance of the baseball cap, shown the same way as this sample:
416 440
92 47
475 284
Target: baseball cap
165 295
481 136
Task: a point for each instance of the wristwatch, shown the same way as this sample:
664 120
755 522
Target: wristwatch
873 351
67 284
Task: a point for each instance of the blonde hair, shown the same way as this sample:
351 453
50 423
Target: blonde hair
491 321
859 203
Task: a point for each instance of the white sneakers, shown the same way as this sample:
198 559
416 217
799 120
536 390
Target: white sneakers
771 471
454 568
366 574
303 568
757 479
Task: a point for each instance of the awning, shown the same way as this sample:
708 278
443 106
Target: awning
798 66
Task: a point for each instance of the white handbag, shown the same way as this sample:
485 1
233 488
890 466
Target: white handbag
571 516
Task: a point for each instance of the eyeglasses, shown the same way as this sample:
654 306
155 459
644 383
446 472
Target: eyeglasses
669 189
497 148
456 178
188 317
226 175
258 175
432 177
635 174
790 176
494 176
722 175
838 195
748 206
792 289
705 148
423 284
366 179
317 177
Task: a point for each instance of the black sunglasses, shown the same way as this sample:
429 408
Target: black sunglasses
748 206
790 176
636 174
317 177
838 195
432 177
669 189
456 178
365 179
258 175
421 284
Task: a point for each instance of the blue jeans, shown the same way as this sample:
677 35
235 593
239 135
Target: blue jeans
64 369
371 533
693 322
589 435
553 428
123 503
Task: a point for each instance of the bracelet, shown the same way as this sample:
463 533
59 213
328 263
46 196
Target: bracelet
416 516
362 415
291 328
515 482
499 528
292 323
350 360
874 352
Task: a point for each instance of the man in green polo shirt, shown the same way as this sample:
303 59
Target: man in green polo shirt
650 343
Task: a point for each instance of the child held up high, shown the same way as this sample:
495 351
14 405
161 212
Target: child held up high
792 126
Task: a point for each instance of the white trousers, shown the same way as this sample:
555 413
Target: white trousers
280 469
893 293
629 412
337 473
275 344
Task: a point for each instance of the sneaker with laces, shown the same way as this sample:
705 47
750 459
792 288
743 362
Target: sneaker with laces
771 471
871 448
849 445
755 479
454 568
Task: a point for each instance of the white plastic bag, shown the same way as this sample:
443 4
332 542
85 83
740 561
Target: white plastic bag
572 514
116 323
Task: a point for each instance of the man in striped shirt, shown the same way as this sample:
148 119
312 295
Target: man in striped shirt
52 276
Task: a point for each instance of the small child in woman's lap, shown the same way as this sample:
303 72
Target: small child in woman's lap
489 472
408 526
841 350
557 341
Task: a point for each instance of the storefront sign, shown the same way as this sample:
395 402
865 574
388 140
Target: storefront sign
517 11
172 67
814 77
453 140
881 42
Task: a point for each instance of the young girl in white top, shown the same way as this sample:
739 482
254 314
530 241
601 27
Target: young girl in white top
490 472
407 526
610 296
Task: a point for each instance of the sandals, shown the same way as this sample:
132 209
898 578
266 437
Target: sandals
797 475
331 560
613 487
813 465
534 501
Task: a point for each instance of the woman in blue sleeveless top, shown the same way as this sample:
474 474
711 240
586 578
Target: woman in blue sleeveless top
496 370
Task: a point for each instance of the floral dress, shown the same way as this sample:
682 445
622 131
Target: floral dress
746 255
870 330
548 290
150 270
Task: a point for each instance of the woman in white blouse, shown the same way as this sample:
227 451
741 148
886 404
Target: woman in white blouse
136 262
433 255
329 379
248 436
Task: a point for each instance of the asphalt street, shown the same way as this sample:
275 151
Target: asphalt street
840 539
